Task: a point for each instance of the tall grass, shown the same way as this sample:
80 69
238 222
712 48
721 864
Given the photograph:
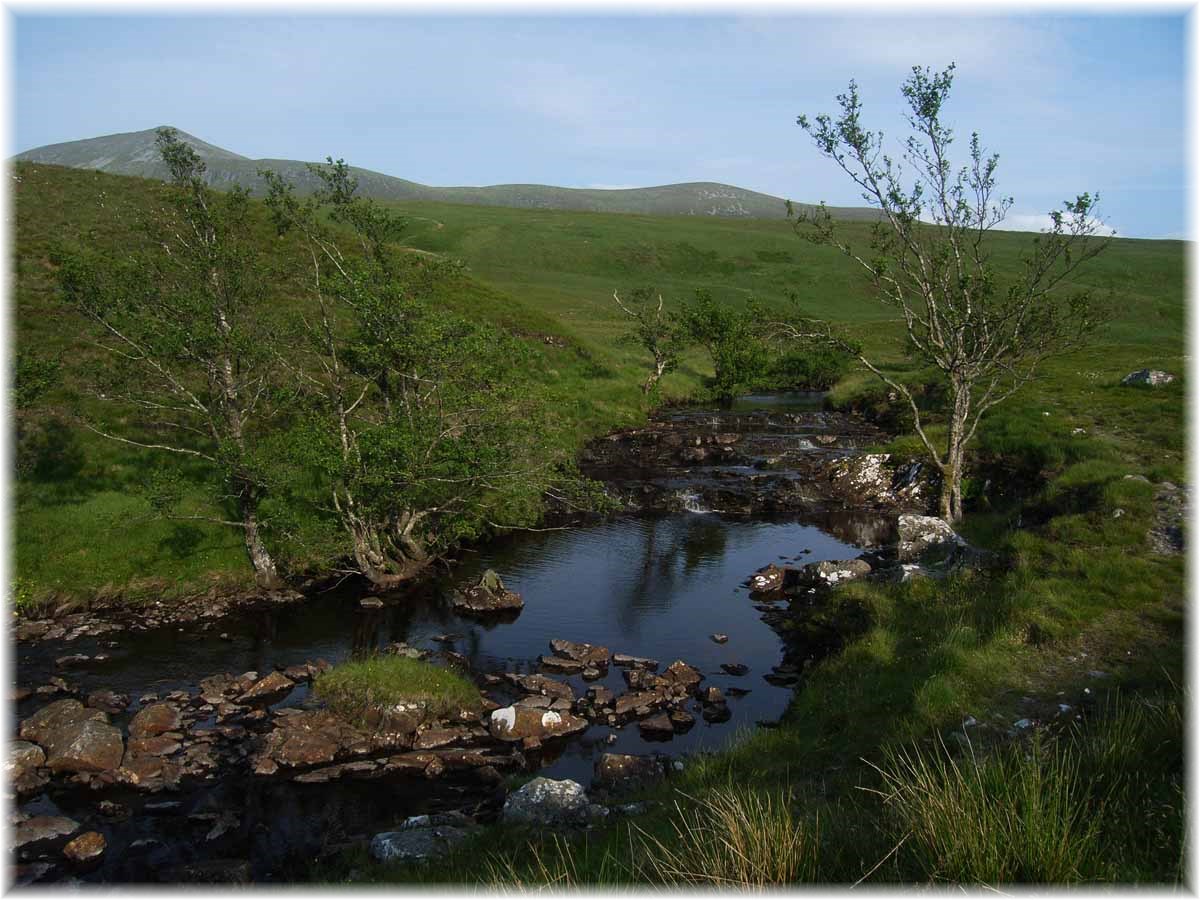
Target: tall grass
1101 803
733 837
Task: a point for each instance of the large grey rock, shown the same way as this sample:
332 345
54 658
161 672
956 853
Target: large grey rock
545 801
1147 377
926 538
416 842
835 571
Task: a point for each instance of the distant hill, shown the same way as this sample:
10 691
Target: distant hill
134 153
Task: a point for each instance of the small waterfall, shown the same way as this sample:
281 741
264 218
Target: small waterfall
691 501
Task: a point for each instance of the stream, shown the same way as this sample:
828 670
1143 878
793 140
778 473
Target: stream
657 581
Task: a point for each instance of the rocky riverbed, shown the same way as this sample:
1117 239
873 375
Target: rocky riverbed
150 749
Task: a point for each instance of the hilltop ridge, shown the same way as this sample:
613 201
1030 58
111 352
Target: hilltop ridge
134 153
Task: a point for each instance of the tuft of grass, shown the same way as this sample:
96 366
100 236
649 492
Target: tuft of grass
382 682
733 837
1015 816
1101 803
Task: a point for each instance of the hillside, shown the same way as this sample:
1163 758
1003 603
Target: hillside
133 153
546 274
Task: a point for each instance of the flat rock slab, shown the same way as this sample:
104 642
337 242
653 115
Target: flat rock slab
85 746
56 717
269 688
541 684
625 661
43 829
588 654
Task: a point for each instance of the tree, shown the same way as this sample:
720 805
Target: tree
733 339
930 258
422 424
653 331
185 328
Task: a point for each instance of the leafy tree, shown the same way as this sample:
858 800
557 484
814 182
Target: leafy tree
184 327
421 424
733 338
929 258
654 331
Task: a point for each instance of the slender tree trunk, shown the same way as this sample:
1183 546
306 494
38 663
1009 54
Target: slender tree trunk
265 572
952 473
660 366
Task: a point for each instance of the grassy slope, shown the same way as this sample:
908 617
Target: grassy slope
1081 579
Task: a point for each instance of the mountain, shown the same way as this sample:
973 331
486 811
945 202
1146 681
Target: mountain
134 153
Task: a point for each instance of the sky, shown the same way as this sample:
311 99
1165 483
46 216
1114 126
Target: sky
1082 101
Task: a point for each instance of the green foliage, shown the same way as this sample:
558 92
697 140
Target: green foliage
812 369
732 339
354 688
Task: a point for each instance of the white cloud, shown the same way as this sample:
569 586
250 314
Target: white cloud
1042 222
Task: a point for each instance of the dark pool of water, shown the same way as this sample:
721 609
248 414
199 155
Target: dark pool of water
655 587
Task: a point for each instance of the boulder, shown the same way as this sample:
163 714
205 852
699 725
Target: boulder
588 654
682 674
544 801
109 701
737 669
54 718
487 596
768 579
561 664
1147 378
23 757
154 720
657 727
308 739
925 538
623 660
89 745
835 571
540 684
621 771
516 723
42 830
711 694
642 700
85 849
416 843
269 689
716 712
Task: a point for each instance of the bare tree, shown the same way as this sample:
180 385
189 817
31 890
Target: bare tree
654 331
183 328
929 257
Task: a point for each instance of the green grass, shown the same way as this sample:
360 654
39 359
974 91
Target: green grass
1074 577
382 682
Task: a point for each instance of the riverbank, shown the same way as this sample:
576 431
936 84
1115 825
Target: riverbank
1075 647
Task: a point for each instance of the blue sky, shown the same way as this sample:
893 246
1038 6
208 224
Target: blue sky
1071 103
